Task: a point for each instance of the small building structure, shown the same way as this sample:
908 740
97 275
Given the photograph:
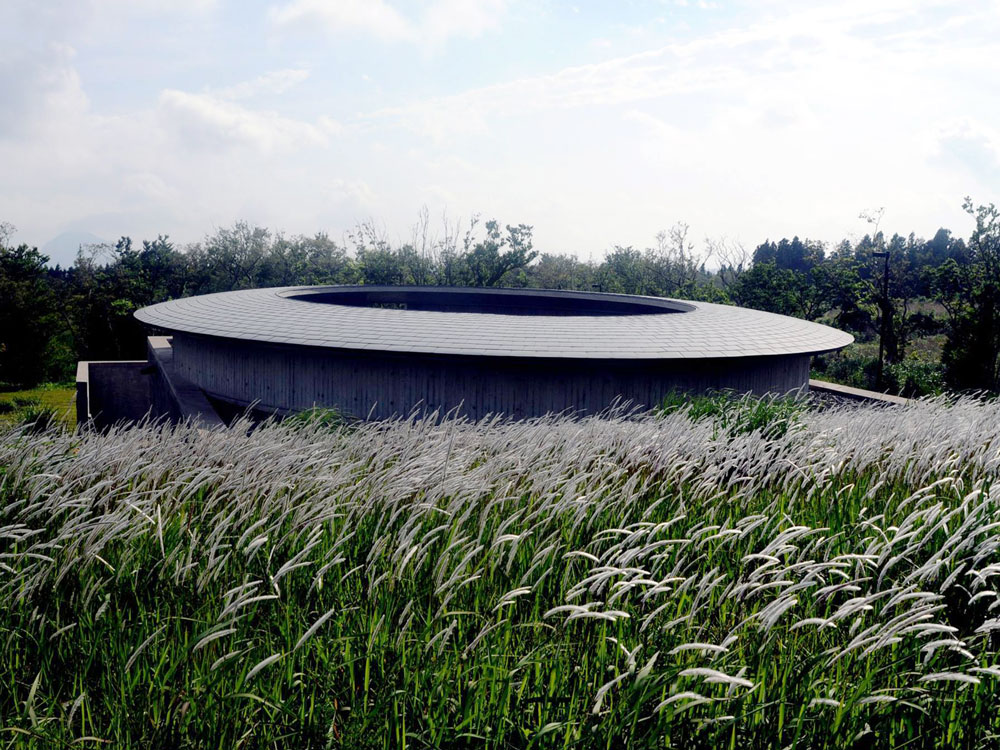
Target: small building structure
374 352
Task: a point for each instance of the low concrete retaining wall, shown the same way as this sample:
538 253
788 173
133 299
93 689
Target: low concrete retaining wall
112 392
174 395
856 394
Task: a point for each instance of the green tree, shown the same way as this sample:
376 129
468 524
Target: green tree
836 286
672 270
767 287
970 293
236 256
308 260
793 254
561 272
623 272
497 257
29 323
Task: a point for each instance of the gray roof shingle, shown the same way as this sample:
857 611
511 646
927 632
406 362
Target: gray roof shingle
703 330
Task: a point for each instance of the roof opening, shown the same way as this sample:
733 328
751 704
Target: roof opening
490 301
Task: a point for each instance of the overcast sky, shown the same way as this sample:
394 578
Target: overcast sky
598 123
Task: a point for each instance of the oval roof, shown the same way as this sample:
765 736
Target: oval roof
684 329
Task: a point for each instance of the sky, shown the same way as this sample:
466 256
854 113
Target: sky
598 123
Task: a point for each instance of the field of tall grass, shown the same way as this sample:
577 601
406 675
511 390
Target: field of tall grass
673 580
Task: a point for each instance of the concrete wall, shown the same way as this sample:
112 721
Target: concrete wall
173 395
108 393
111 392
856 394
285 378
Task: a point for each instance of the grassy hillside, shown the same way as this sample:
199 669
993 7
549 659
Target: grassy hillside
659 582
56 403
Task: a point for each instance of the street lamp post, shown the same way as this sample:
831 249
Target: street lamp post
886 312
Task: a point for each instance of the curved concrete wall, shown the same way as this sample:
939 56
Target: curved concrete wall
285 378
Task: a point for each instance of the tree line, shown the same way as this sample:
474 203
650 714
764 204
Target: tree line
944 290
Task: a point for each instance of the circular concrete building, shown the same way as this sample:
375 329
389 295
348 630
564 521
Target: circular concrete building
376 352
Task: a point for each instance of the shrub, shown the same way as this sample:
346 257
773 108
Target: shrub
326 418
913 378
729 412
39 419
851 367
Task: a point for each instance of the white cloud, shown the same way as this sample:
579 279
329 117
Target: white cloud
459 18
179 166
437 22
30 21
375 17
275 82
355 193
648 75
156 6
781 71
207 122
39 89
973 146
789 125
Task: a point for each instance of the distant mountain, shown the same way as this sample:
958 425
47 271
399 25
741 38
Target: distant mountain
63 248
